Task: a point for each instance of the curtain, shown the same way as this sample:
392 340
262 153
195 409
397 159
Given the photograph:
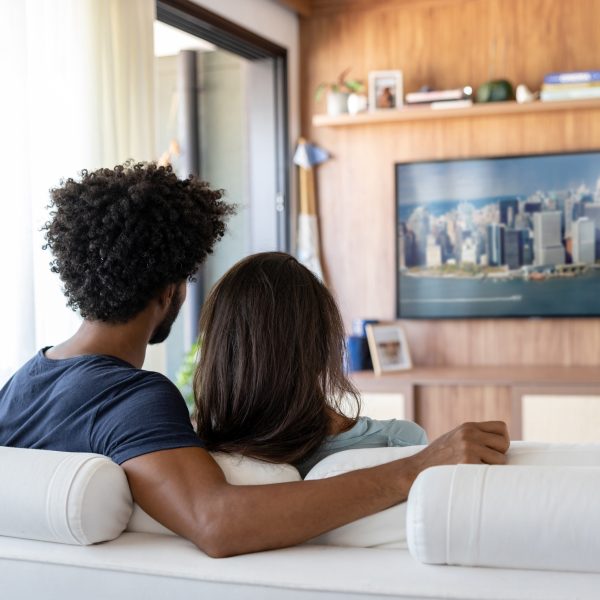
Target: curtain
78 92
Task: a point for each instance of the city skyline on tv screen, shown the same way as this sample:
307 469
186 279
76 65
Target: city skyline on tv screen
510 236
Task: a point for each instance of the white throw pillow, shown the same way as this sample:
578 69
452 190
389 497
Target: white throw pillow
238 470
385 529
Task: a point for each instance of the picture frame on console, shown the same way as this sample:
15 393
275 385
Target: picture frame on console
388 347
385 90
509 236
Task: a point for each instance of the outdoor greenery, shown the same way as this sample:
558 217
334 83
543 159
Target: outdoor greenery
184 377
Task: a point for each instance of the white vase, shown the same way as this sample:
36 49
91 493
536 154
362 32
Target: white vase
337 103
357 103
524 94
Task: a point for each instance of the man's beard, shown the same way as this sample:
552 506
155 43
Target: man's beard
161 333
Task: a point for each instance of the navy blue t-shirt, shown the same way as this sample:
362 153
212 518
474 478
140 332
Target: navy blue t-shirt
93 403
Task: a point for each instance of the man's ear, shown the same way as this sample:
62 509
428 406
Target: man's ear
165 297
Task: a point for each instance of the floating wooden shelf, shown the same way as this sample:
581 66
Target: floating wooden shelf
421 113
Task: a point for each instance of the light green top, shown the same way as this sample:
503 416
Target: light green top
367 433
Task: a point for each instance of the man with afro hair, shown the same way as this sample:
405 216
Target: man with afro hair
125 240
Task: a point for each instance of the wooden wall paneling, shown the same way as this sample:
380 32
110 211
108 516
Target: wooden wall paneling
486 342
449 43
356 189
445 43
302 7
452 42
440 408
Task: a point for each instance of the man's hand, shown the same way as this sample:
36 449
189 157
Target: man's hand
472 443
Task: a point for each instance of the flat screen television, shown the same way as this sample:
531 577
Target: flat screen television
514 236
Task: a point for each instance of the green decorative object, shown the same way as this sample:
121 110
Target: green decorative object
184 378
498 90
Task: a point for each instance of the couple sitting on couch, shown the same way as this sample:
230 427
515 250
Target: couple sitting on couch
269 382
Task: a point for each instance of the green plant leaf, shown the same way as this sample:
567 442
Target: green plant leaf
355 85
320 91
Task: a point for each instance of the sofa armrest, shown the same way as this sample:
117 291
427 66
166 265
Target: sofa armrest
528 517
65 497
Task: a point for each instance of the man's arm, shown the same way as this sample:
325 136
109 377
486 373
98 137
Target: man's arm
185 490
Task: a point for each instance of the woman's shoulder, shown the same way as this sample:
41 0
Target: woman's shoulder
397 431
367 432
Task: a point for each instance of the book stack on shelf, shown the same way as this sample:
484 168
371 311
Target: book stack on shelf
440 99
579 85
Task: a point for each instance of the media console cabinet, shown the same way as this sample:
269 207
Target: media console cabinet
439 398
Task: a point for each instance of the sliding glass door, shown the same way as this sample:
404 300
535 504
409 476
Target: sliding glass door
222 115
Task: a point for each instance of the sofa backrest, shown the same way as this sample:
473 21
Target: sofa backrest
78 498
84 498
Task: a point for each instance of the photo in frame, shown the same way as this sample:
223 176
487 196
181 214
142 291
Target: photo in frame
385 90
389 348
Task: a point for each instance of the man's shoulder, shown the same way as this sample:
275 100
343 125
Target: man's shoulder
94 376
100 368
93 404
151 381
126 383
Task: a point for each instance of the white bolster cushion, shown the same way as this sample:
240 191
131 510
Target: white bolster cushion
65 497
553 454
385 529
238 470
529 517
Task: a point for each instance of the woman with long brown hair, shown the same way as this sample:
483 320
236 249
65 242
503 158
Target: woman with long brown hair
270 381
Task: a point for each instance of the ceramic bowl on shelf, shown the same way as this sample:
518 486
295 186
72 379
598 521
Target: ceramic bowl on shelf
357 103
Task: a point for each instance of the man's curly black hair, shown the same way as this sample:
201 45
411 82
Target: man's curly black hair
120 236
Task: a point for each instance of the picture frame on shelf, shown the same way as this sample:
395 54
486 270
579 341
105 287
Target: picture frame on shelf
388 347
385 90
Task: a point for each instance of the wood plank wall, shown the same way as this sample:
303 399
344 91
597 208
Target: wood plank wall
442 43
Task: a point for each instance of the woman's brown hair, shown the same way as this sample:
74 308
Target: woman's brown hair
271 361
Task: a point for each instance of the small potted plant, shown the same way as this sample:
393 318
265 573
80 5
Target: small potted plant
339 94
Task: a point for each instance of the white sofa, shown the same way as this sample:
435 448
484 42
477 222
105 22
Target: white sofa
466 515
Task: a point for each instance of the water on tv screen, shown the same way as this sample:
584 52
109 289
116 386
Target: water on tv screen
499 237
